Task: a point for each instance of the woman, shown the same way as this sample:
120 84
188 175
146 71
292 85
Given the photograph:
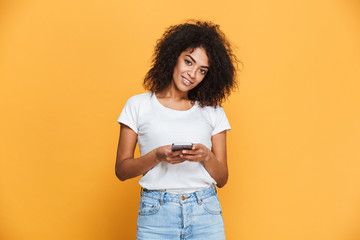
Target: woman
192 73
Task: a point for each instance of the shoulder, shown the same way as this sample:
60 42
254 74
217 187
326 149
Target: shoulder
214 115
218 110
138 98
133 108
217 118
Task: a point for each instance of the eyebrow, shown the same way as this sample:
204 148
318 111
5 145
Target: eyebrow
195 61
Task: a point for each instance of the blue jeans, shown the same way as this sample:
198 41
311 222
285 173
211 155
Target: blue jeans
193 216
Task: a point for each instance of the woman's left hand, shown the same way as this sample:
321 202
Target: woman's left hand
198 153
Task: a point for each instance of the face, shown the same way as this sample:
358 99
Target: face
190 69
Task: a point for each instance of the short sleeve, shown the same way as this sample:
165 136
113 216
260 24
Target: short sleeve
129 114
221 122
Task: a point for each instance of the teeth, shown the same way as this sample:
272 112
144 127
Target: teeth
186 81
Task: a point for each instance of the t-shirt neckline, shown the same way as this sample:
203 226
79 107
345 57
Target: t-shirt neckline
156 100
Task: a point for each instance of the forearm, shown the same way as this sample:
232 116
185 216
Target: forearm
133 167
218 170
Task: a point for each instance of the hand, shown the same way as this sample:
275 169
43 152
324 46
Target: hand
164 153
199 153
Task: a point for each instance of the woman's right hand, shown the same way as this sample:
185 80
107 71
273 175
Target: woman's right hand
164 153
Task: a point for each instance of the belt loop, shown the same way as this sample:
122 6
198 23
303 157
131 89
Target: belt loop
141 191
199 200
161 200
215 189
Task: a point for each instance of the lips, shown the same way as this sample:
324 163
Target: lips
186 81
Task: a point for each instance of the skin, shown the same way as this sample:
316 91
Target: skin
191 68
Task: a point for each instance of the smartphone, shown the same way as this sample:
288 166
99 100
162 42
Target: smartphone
181 146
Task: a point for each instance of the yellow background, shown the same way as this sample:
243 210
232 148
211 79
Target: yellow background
67 67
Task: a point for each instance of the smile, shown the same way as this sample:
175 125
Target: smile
186 82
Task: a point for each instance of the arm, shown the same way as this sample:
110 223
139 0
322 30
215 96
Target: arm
214 161
129 167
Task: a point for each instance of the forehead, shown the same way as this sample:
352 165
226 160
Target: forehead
198 54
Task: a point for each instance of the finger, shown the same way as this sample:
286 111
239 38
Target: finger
173 154
192 158
189 152
176 161
167 148
192 152
176 153
195 146
174 158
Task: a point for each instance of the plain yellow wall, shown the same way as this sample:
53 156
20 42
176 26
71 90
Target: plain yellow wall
67 67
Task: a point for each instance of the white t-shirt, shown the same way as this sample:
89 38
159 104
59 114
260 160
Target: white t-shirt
157 125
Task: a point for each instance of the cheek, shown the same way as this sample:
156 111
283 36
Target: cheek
178 69
201 78
198 82
175 72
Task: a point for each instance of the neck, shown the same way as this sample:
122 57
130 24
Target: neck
173 93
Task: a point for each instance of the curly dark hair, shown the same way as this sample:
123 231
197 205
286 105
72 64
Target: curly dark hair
219 81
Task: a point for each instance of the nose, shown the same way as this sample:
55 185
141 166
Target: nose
192 72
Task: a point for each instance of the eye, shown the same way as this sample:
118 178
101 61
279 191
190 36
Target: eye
188 62
203 71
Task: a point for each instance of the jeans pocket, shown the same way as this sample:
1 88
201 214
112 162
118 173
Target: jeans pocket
148 206
212 205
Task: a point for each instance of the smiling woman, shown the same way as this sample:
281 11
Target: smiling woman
188 71
220 77
192 73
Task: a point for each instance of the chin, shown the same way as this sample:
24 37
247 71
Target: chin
185 89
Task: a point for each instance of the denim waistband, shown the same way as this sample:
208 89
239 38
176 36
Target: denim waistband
180 198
